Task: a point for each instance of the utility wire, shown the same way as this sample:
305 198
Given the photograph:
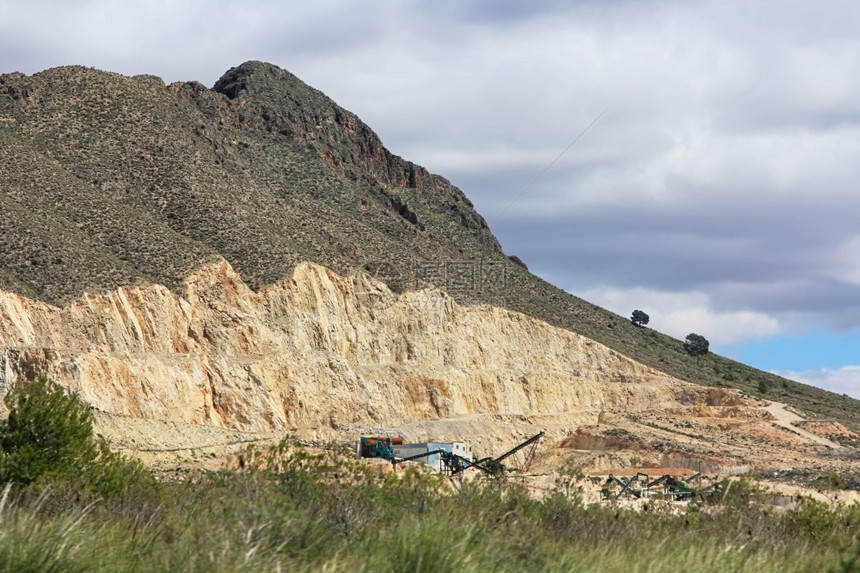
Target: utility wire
547 168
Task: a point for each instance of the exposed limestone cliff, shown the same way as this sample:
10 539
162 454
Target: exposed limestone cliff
318 352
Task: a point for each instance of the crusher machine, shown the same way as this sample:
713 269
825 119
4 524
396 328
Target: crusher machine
453 464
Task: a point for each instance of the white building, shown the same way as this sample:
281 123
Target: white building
434 460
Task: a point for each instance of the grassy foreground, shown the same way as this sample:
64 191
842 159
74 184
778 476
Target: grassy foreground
294 511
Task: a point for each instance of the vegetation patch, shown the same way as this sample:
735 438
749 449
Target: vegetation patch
69 504
293 510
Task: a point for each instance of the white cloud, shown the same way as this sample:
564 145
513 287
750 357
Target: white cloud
742 171
844 380
679 314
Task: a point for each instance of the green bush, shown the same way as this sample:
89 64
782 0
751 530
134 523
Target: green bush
764 385
49 435
47 431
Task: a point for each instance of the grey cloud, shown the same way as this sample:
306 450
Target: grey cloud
733 274
500 10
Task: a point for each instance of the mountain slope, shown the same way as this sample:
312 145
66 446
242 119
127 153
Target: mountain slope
107 181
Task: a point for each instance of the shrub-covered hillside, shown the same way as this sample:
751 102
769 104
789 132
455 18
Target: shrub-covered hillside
107 180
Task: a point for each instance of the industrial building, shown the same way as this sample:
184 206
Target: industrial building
433 460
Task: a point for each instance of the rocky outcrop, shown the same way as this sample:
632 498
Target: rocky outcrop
316 352
269 98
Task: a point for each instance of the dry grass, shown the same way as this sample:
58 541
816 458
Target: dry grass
314 512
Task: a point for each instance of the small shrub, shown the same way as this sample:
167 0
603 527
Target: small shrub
568 481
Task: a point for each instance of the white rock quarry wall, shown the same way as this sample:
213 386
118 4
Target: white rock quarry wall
317 350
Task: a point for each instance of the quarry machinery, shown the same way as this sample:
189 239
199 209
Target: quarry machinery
455 464
634 491
639 486
378 447
395 460
452 464
678 489
493 466
382 447
607 489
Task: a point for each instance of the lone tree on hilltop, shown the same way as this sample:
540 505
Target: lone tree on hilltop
639 318
696 345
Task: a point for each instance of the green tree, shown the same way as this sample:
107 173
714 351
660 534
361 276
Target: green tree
639 318
764 385
696 345
49 434
47 431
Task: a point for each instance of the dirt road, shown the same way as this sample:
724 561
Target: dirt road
786 419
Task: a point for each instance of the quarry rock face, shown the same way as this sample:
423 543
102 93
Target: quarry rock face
317 352
108 181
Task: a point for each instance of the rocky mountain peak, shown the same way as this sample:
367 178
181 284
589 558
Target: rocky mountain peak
276 101
253 77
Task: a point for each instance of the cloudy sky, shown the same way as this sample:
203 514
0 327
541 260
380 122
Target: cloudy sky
698 161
